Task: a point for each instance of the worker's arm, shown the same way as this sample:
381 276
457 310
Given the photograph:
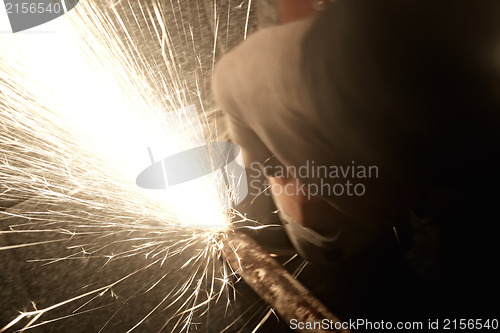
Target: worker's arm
294 10
259 87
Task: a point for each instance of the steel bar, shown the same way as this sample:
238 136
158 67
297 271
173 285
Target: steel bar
276 286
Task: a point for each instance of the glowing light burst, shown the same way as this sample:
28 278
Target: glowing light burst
79 105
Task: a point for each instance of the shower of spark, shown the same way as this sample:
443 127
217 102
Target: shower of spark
80 103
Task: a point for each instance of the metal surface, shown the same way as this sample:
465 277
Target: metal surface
275 285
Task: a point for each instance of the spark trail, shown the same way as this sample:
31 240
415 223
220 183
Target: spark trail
80 101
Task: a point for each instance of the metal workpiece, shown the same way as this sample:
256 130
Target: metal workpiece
275 285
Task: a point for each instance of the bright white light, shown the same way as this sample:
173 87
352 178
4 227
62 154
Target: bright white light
108 110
